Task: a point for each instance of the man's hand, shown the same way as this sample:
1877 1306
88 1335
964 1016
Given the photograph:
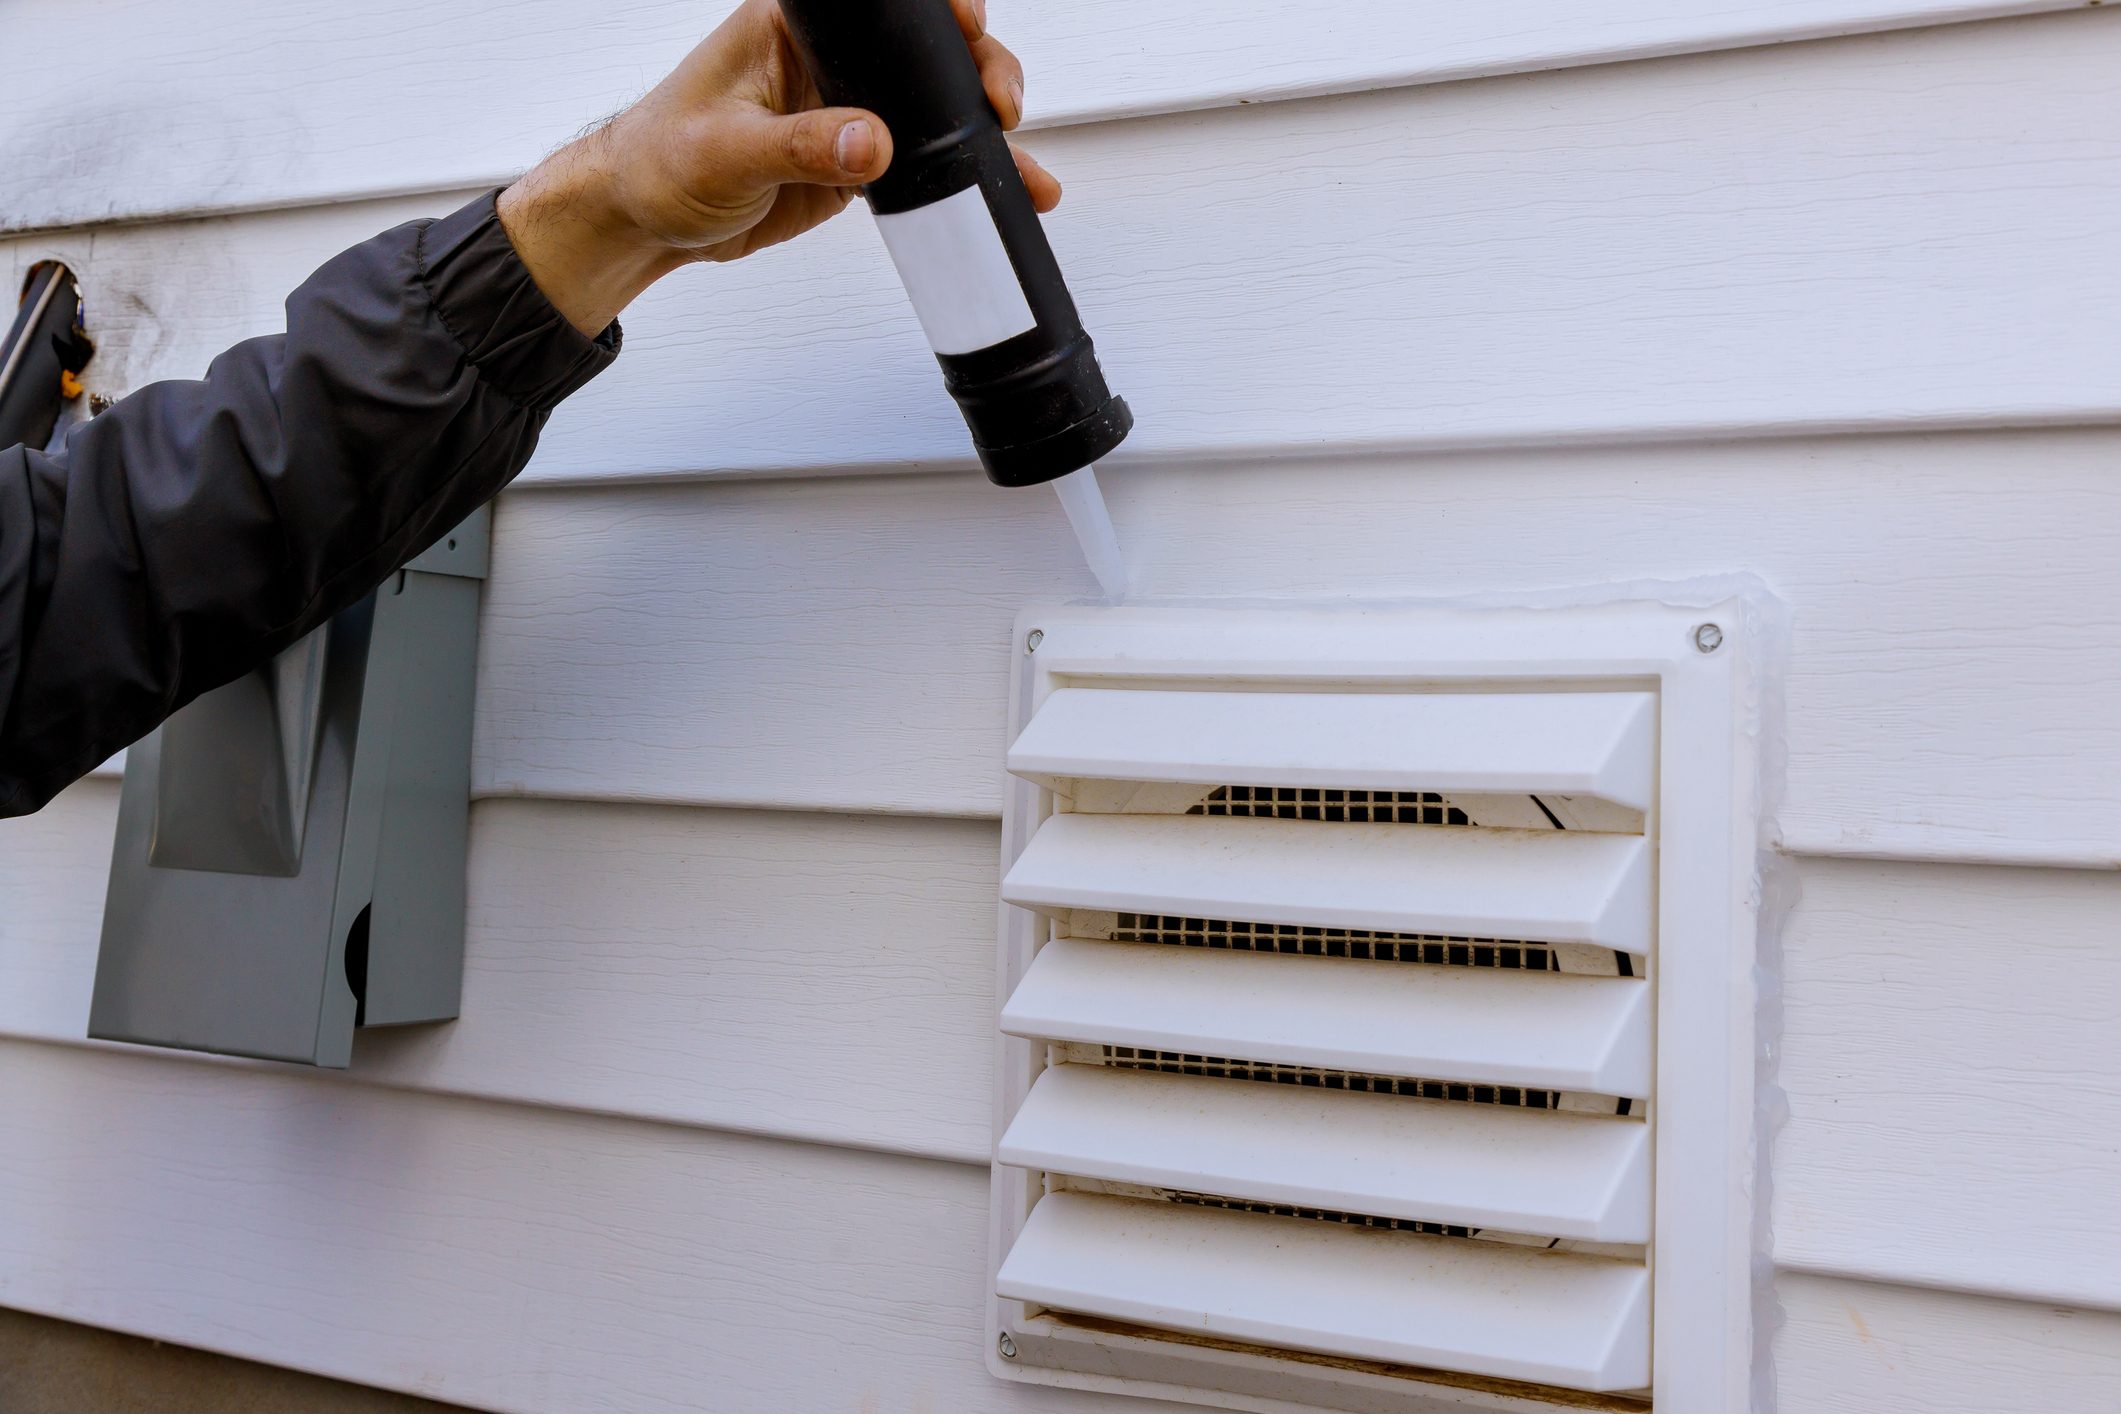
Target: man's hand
731 153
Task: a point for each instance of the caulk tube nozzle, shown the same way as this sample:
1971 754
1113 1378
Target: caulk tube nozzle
965 238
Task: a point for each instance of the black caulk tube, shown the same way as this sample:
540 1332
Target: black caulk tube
967 243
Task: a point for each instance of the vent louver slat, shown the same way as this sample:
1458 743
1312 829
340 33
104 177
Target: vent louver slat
1436 1023
1474 1165
1595 744
1401 1298
1537 886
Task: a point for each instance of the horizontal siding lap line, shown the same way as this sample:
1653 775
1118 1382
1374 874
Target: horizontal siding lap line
2095 857
1144 449
2089 856
2005 1288
774 803
496 1092
368 119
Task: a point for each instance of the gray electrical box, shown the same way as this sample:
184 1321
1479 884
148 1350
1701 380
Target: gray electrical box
290 854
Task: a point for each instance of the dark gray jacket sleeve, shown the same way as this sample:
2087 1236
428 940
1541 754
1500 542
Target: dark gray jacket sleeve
194 529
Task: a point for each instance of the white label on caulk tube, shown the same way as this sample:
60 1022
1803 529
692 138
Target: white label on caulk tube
952 261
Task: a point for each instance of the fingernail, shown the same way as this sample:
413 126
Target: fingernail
979 16
1016 96
855 147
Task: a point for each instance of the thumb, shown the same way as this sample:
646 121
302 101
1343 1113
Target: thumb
825 146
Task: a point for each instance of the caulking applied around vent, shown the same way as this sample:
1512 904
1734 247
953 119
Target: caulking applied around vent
1361 970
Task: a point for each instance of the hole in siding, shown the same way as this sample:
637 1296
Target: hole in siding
1360 807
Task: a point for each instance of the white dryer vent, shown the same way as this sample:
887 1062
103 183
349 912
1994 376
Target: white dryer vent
1339 1026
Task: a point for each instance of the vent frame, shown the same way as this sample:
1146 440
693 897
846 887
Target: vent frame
1705 1015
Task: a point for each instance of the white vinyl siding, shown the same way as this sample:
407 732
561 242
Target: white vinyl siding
207 126
1735 244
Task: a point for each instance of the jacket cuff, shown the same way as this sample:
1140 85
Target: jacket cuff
485 297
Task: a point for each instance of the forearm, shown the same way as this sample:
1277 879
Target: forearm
196 528
585 252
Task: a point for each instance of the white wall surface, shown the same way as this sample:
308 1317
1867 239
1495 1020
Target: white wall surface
1839 314
231 106
1829 236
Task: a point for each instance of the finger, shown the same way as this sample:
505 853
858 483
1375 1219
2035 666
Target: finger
828 146
1002 76
1044 187
971 16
